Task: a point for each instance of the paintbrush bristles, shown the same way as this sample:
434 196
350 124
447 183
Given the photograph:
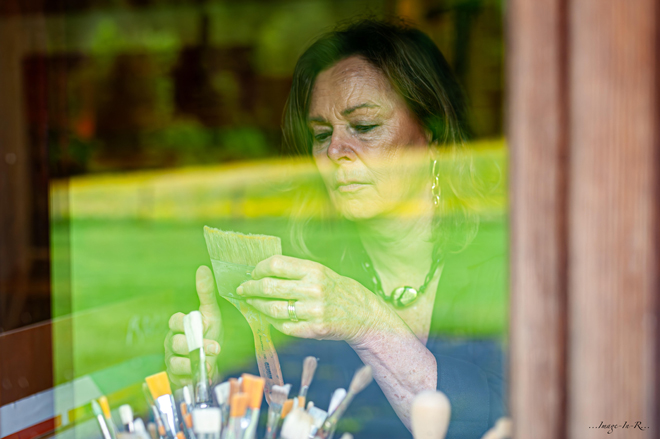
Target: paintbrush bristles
309 368
239 403
126 414
279 394
361 379
238 248
159 385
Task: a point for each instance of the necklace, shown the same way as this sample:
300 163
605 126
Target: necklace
402 296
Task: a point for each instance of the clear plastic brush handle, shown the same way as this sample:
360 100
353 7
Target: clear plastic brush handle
228 277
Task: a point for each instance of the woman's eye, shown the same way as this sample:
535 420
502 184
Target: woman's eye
364 128
322 137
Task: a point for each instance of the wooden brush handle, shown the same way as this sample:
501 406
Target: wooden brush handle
267 360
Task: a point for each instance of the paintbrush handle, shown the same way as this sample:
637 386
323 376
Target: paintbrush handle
267 360
273 420
327 430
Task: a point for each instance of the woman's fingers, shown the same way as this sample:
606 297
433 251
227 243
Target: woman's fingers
284 267
176 322
179 344
294 329
274 289
279 309
178 365
205 287
179 380
208 303
211 347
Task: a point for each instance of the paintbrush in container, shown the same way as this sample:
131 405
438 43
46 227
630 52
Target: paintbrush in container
105 407
429 415
140 429
298 425
126 415
238 407
159 387
319 416
187 397
277 400
206 423
98 412
222 399
361 379
309 368
255 391
337 396
194 330
233 257
160 430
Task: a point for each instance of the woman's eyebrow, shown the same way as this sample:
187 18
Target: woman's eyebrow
349 110
346 112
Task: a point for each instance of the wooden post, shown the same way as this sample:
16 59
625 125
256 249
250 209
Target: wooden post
585 202
537 137
613 204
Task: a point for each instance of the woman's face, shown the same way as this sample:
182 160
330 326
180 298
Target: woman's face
368 147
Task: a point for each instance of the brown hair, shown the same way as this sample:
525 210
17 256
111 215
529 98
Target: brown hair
419 73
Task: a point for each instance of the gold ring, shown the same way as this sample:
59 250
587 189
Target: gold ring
292 311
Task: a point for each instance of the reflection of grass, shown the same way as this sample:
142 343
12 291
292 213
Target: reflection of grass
136 241
128 278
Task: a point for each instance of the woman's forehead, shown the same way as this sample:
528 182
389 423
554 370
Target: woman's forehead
348 84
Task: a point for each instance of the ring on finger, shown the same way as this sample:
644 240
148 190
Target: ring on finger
292 311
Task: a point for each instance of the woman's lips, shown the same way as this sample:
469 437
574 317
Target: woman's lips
351 187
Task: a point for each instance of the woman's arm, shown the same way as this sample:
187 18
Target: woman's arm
330 306
401 364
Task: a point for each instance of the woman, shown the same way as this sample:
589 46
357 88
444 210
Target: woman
376 105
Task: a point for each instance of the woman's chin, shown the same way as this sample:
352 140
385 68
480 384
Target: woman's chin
358 210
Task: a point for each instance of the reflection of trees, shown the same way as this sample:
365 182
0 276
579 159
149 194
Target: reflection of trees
127 105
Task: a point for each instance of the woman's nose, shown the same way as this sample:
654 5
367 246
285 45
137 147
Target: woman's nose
341 147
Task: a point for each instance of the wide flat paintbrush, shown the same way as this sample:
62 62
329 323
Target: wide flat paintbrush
233 257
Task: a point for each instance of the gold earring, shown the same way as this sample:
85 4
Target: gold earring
435 186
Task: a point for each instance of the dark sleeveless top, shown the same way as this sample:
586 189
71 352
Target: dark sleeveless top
466 337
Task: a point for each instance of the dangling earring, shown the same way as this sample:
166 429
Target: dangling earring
435 186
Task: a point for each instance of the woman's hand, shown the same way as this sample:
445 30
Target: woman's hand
176 346
328 306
